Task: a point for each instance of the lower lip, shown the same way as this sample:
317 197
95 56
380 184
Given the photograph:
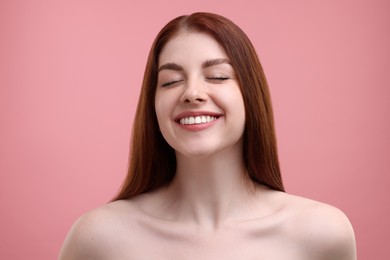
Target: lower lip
198 127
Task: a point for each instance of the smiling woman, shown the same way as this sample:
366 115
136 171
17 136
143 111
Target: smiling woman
204 179
202 87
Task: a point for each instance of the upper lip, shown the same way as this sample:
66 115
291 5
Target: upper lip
196 113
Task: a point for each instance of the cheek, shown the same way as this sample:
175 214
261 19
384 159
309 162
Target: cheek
238 108
163 116
239 101
158 109
235 101
162 109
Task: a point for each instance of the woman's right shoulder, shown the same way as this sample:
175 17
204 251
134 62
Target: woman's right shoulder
95 233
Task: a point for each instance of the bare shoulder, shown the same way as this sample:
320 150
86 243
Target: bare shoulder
95 234
323 231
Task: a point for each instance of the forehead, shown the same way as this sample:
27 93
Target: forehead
191 47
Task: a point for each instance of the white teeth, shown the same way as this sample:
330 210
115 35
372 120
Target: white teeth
191 120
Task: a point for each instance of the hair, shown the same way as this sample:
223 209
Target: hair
152 161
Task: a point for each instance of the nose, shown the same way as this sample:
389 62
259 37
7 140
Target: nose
194 92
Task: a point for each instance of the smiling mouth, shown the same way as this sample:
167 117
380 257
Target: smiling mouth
195 120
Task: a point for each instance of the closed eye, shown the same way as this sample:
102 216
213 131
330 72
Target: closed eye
169 83
218 78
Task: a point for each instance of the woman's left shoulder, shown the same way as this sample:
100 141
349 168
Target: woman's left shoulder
322 229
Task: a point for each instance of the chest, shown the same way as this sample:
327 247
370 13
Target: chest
230 244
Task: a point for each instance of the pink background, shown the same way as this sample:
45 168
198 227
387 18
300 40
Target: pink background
70 74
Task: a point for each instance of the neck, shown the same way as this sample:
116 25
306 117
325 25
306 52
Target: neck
211 190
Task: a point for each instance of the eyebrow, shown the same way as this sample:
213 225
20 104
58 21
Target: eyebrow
214 62
205 64
170 66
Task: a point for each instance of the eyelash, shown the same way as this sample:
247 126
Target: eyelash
171 83
222 78
211 78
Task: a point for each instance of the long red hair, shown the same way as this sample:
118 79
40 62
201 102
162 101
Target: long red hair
152 161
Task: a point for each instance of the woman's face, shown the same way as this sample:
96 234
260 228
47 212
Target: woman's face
199 106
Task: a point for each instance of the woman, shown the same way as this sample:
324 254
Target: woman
204 179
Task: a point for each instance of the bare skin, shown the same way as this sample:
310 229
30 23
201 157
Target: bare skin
211 210
279 226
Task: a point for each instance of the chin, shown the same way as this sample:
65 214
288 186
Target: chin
196 153
204 152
